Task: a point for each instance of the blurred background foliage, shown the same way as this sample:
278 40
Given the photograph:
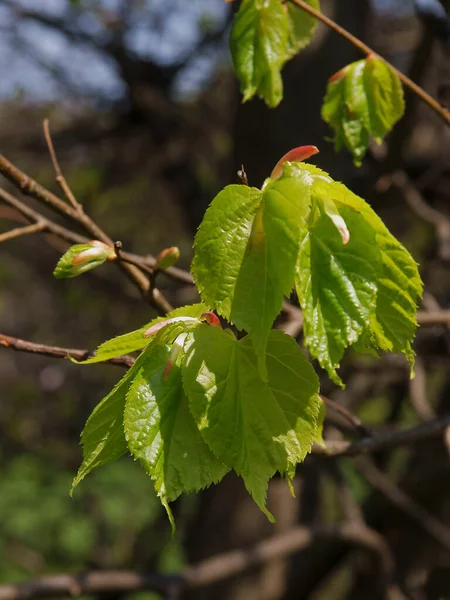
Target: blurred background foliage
148 127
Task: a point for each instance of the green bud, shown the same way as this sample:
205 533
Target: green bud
83 257
168 257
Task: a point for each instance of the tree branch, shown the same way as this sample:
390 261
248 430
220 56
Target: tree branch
211 570
386 441
21 231
357 43
57 352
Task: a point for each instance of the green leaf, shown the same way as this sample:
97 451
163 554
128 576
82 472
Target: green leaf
135 340
103 437
246 250
301 27
83 257
364 99
336 286
392 327
254 427
258 45
363 292
162 434
384 95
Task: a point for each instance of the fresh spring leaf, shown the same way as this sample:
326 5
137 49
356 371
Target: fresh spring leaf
256 428
162 434
308 230
135 340
103 437
246 250
363 100
265 34
82 258
363 291
258 42
301 26
394 323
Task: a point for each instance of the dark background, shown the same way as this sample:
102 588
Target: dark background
148 127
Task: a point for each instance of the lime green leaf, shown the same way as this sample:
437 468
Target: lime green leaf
258 45
103 437
301 26
394 323
162 434
254 427
384 95
336 287
246 250
356 283
82 258
320 422
364 99
135 340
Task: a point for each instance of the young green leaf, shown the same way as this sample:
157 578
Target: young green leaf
258 45
363 100
103 437
246 250
254 427
82 258
136 340
336 286
301 27
162 434
358 286
392 327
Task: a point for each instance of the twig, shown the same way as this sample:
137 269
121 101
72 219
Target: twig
57 352
59 176
386 441
440 317
211 570
21 231
354 421
418 393
417 203
381 482
357 43
35 217
30 187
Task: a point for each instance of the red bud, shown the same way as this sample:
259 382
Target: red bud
294 155
211 318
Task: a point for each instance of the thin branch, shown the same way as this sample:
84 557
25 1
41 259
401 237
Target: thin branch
20 345
354 421
439 317
392 492
211 570
21 231
386 441
34 216
357 43
30 187
417 203
59 176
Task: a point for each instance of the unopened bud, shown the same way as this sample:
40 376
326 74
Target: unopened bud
294 155
167 258
83 257
211 318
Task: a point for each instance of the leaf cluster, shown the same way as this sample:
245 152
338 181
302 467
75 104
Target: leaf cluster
209 413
